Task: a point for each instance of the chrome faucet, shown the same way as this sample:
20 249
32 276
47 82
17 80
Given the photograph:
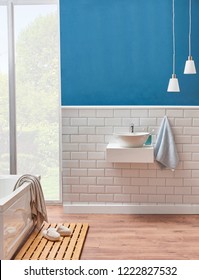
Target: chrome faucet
131 128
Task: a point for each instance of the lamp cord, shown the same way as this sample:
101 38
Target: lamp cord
189 27
173 22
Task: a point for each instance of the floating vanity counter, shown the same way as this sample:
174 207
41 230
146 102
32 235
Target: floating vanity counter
116 153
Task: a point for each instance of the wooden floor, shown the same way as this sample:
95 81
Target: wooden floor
135 237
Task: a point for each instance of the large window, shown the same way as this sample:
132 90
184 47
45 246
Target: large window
36 101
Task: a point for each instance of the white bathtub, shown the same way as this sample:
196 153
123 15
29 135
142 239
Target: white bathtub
15 215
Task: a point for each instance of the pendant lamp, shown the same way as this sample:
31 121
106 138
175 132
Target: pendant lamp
173 82
190 65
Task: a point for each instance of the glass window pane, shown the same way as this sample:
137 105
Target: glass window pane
37 94
4 95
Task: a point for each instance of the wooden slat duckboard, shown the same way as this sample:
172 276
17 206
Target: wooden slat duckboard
70 247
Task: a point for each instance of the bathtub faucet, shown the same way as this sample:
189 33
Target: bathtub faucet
131 128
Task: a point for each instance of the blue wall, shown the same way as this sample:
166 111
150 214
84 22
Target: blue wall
119 52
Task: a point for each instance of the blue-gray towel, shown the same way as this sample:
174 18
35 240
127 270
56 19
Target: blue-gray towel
165 149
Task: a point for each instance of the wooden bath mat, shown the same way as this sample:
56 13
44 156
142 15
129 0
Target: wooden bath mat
70 247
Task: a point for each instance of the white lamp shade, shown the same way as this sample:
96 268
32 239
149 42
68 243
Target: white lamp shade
190 67
173 85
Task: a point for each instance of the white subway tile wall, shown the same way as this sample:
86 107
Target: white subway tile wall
88 178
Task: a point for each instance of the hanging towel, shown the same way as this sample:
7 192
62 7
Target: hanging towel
37 202
165 151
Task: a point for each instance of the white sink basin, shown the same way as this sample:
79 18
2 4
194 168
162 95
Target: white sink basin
132 140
